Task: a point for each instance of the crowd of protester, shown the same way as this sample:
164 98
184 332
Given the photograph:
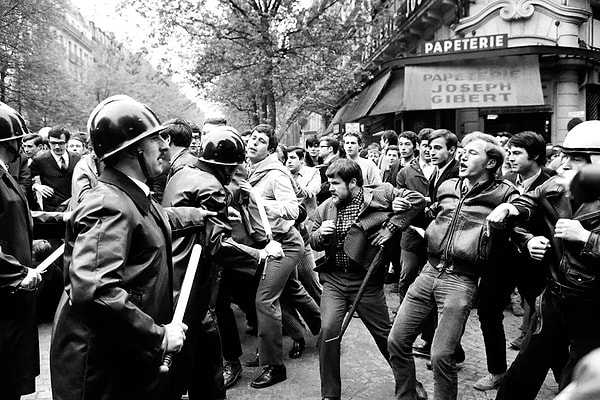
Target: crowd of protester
300 238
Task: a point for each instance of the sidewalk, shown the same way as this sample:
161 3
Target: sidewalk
365 374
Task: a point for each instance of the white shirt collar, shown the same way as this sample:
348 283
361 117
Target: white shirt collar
65 156
524 185
141 185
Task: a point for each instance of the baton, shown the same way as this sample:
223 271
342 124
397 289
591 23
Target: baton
361 291
184 297
260 205
43 267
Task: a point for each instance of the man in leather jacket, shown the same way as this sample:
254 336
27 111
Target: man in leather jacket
459 247
566 311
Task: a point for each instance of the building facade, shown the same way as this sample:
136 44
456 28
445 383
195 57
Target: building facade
492 66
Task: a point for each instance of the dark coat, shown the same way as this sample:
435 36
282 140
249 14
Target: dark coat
375 212
19 348
119 293
450 172
185 158
44 165
412 177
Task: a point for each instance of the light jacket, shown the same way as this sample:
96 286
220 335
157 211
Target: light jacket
458 237
272 180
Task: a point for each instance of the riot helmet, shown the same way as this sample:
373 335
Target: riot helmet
12 129
119 122
223 146
584 139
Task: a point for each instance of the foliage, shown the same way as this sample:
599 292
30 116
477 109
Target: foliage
257 56
41 80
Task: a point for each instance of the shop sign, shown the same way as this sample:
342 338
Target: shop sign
466 44
498 82
352 127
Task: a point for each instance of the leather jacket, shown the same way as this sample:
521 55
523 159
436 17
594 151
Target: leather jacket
573 265
458 237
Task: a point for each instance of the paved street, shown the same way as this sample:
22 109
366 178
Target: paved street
365 374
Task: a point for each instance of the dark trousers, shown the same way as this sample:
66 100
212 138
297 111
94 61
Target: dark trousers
412 262
242 290
198 368
570 329
339 291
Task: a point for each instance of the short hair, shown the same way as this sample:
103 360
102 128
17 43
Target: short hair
37 139
374 146
296 149
268 130
331 141
246 132
57 131
449 137
392 147
410 135
180 132
573 122
493 150
424 134
345 169
216 121
312 141
390 136
79 138
533 143
357 135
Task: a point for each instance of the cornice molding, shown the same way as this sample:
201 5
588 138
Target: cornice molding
514 10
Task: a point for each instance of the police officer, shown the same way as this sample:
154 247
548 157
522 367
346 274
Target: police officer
112 326
19 348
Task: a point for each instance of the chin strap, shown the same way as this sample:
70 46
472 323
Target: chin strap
142 162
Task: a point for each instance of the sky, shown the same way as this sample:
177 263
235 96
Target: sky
130 29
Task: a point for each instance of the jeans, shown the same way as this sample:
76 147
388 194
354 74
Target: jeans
339 291
453 295
411 265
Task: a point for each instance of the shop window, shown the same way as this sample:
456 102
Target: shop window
592 103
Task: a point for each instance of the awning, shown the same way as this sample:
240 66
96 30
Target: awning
363 103
337 118
392 98
493 82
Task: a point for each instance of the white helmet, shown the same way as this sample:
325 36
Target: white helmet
584 139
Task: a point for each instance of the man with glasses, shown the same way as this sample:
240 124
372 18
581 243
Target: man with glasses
55 169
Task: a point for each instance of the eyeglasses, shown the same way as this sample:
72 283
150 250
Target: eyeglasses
57 142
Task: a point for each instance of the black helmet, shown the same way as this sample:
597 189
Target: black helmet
119 122
223 146
12 124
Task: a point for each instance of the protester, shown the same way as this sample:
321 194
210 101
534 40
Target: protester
19 347
352 143
113 327
348 252
448 282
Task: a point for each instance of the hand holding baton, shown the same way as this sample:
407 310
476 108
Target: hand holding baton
44 265
184 297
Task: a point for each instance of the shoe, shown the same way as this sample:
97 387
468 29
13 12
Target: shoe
517 343
231 372
297 348
422 350
420 390
271 375
253 361
489 382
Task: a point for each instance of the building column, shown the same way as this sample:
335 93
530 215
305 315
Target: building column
567 97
